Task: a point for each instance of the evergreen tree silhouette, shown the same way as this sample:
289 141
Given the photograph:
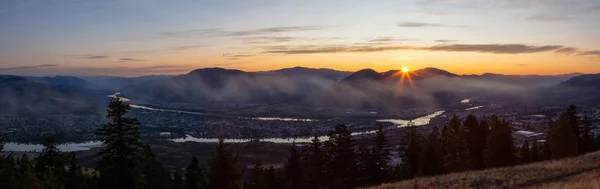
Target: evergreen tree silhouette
223 173
525 153
342 164
410 151
293 169
313 161
500 149
379 168
177 180
457 151
119 165
562 138
476 139
535 151
431 155
586 136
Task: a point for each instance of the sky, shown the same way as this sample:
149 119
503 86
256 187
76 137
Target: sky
170 37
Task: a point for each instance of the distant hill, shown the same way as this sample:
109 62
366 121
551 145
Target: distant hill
209 85
330 74
591 81
583 89
577 172
21 96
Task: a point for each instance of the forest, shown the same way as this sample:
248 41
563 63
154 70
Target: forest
472 143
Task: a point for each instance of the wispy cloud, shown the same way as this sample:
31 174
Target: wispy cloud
567 50
389 39
494 48
130 60
227 33
28 67
187 47
445 41
425 24
89 56
237 56
478 48
193 33
274 30
548 17
592 53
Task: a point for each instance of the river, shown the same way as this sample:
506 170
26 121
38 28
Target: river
69 147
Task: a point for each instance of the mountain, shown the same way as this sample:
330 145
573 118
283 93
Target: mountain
326 73
531 80
220 85
21 96
588 81
326 87
583 89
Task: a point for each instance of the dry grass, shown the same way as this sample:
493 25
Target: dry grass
578 172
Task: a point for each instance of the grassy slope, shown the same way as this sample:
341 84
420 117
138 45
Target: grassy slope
577 172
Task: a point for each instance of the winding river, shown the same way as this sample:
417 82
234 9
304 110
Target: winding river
69 147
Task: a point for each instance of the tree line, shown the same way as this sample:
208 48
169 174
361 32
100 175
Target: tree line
340 162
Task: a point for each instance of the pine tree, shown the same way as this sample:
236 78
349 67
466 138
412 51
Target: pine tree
457 151
119 165
293 169
546 151
342 165
50 160
222 172
261 178
410 151
500 149
431 155
313 161
562 138
155 176
525 153
586 136
194 175
2 141
379 168
177 180
535 151
476 140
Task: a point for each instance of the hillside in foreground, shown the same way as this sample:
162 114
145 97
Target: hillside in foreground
577 172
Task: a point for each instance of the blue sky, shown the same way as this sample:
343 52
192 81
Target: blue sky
140 37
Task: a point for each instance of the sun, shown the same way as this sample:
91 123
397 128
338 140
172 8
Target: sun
404 70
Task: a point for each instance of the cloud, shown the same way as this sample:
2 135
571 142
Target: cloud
88 56
28 67
274 30
187 47
445 40
193 33
237 56
424 24
388 39
216 32
479 48
494 48
428 12
567 50
592 53
130 60
268 39
548 18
